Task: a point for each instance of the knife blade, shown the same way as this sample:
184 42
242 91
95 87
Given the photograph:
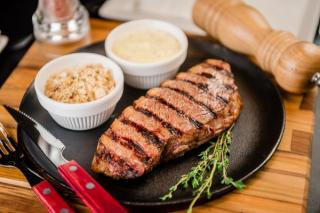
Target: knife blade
91 193
46 193
51 146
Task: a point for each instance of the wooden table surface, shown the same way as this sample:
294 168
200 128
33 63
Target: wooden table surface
281 186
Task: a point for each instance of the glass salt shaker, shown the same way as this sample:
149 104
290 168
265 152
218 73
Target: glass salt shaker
60 21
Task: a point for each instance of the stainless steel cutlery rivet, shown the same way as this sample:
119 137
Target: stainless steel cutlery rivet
64 210
89 185
73 168
46 191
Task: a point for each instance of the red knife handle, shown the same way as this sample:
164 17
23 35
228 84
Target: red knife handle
90 192
50 198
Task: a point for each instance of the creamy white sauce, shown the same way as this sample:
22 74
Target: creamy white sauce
145 45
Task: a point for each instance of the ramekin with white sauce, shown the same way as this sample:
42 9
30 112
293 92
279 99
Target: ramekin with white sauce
148 51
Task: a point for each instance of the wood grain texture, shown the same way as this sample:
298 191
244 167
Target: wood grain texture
280 186
243 29
301 142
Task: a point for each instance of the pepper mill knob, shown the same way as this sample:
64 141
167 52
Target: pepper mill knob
242 28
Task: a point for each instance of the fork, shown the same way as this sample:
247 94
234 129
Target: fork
12 155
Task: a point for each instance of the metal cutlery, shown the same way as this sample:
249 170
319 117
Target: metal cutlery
90 191
12 155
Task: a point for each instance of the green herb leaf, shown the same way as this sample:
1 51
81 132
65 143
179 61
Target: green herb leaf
213 159
239 184
227 180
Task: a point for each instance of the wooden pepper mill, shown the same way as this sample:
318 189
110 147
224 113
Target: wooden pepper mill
293 63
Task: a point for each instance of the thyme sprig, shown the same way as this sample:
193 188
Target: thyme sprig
213 160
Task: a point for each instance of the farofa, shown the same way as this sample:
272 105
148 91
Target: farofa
80 84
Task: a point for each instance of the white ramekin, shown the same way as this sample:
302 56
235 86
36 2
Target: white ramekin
81 116
147 75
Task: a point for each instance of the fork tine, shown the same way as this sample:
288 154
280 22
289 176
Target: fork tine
3 150
8 146
4 137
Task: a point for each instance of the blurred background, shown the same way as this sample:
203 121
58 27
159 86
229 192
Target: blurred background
300 17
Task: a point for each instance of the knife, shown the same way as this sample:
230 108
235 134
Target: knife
90 192
13 155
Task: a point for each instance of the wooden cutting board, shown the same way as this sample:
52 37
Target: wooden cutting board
281 186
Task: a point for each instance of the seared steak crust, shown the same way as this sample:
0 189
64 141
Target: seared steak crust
170 120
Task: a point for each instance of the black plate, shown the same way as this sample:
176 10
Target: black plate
257 133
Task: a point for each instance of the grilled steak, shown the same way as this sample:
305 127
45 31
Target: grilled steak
170 120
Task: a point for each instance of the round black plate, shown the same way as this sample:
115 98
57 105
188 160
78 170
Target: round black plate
257 133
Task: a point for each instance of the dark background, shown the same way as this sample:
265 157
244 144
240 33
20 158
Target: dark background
16 23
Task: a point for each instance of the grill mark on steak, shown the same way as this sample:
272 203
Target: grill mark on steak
198 114
208 84
216 67
194 92
222 99
195 123
204 87
213 75
129 144
130 133
167 114
213 87
146 133
149 123
166 125
194 78
122 166
206 71
192 99
207 75
218 70
117 157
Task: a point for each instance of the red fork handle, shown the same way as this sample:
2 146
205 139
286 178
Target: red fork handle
90 192
50 198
